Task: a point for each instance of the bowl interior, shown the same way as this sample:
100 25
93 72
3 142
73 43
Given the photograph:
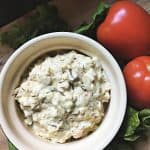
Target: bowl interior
14 127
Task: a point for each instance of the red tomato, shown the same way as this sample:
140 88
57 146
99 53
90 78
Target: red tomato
137 77
126 30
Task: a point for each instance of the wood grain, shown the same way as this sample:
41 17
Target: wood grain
78 12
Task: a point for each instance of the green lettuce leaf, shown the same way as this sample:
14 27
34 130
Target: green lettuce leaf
144 115
44 20
132 122
131 138
11 146
98 17
136 124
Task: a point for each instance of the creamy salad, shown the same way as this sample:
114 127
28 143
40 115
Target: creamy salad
62 97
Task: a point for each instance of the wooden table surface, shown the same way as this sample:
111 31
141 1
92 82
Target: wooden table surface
84 11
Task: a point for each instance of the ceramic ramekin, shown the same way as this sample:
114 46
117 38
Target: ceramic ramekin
13 125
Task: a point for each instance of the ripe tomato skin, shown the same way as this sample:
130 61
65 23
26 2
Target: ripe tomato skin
126 30
137 77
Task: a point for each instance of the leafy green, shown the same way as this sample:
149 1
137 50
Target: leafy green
84 28
135 125
89 29
44 20
131 138
132 123
11 146
144 115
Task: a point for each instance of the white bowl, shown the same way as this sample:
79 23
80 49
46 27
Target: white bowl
13 125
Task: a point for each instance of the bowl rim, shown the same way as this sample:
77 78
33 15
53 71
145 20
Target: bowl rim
9 132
